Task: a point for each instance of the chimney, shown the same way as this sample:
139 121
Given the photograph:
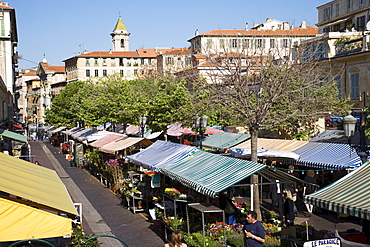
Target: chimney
255 24
196 32
303 25
110 51
246 26
268 19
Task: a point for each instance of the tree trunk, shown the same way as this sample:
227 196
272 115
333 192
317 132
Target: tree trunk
254 179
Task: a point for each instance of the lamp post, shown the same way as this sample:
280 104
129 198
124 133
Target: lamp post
142 124
349 125
200 124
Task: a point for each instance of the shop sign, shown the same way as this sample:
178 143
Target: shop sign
332 242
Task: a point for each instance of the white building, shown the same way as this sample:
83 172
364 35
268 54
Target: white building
8 58
272 37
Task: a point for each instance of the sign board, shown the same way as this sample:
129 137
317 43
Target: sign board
331 242
78 207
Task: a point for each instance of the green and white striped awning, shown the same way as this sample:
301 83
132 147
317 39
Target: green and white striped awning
209 173
349 195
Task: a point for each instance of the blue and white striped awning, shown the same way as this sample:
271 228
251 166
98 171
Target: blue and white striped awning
209 173
161 153
327 156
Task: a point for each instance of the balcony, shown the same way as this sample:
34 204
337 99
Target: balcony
345 46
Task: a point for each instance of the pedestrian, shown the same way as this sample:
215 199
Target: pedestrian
254 233
176 240
228 205
309 178
277 197
289 214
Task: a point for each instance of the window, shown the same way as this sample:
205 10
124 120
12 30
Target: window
209 43
234 43
95 62
121 73
2 27
104 62
360 23
246 43
338 80
222 43
272 43
87 73
285 43
336 9
96 73
168 60
355 86
121 62
361 3
104 72
113 62
87 62
259 43
348 6
122 43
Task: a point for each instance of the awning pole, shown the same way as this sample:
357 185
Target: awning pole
252 197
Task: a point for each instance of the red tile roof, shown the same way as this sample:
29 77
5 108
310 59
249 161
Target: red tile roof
297 31
58 69
29 74
97 54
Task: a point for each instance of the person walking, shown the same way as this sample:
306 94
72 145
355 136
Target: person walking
289 214
277 197
310 178
254 233
176 240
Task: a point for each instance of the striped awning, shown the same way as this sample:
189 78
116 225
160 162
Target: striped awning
327 156
161 153
348 195
123 143
209 173
77 134
87 133
104 140
274 144
222 140
60 128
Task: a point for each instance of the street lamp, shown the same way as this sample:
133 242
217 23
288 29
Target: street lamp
200 124
142 124
349 125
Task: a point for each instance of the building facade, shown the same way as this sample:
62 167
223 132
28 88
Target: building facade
52 81
8 58
272 37
345 42
119 61
343 15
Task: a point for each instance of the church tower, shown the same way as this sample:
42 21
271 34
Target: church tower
120 39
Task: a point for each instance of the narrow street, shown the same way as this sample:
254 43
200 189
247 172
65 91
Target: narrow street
103 213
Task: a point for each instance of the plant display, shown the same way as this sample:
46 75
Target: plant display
114 167
244 208
175 193
129 187
175 223
196 240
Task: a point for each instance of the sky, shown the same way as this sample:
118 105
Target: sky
60 29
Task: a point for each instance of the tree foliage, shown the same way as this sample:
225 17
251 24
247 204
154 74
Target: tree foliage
162 100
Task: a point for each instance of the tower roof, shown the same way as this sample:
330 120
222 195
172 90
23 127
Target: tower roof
120 26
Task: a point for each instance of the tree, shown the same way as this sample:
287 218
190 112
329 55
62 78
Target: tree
268 89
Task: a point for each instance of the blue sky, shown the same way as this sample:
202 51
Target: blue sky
61 29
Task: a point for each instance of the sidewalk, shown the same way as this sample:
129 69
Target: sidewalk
103 213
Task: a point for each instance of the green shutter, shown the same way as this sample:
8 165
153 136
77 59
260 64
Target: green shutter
2 26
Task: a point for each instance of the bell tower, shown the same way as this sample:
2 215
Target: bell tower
120 37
